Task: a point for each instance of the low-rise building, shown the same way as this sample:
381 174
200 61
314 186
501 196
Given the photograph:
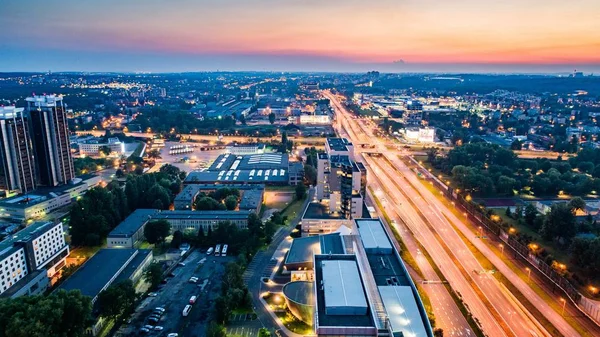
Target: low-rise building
105 268
130 232
192 221
251 195
93 147
246 149
39 203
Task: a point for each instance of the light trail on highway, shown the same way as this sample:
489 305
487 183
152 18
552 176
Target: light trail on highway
499 302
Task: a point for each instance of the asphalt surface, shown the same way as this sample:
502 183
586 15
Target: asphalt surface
429 216
175 295
262 265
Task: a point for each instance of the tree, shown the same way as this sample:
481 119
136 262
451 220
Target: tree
222 310
154 275
62 313
156 231
310 175
201 236
105 150
300 191
438 332
177 239
119 173
516 145
208 204
272 118
577 204
215 330
242 119
262 332
508 212
559 223
154 154
231 202
530 214
117 301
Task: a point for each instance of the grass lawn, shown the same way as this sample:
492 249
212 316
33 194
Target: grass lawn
277 304
293 209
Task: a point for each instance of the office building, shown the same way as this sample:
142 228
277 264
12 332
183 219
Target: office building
30 257
354 284
16 152
50 135
340 180
130 232
413 113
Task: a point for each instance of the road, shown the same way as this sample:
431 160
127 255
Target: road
213 138
486 298
261 266
447 314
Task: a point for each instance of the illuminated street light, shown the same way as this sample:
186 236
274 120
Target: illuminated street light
528 274
501 248
564 302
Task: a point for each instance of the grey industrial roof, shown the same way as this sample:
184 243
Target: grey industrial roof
402 310
134 264
251 199
338 144
316 210
342 286
331 244
300 292
302 250
133 223
326 320
96 273
191 190
373 234
250 161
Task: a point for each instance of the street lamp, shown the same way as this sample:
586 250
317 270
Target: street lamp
564 302
480 231
501 248
528 274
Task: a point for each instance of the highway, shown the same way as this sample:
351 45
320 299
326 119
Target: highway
497 311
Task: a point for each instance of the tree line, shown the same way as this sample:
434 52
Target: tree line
101 209
489 170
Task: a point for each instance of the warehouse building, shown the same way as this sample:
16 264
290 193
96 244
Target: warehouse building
266 168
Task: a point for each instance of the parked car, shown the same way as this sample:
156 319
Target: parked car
153 320
158 328
161 309
181 264
173 334
193 299
152 294
144 330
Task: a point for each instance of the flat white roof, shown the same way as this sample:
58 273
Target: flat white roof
342 285
372 234
403 312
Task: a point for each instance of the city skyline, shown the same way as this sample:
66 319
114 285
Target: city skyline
393 36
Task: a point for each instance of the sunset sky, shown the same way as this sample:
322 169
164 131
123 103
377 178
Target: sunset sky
188 35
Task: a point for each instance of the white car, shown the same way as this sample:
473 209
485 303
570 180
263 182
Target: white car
181 264
158 328
152 294
193 280
148 326
144 330
161 309
173 334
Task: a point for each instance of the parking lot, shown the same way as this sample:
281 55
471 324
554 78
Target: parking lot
175 294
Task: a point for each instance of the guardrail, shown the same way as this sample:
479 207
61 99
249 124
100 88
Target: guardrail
519 250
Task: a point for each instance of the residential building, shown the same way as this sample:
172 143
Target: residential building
50 135
17 171
30 257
